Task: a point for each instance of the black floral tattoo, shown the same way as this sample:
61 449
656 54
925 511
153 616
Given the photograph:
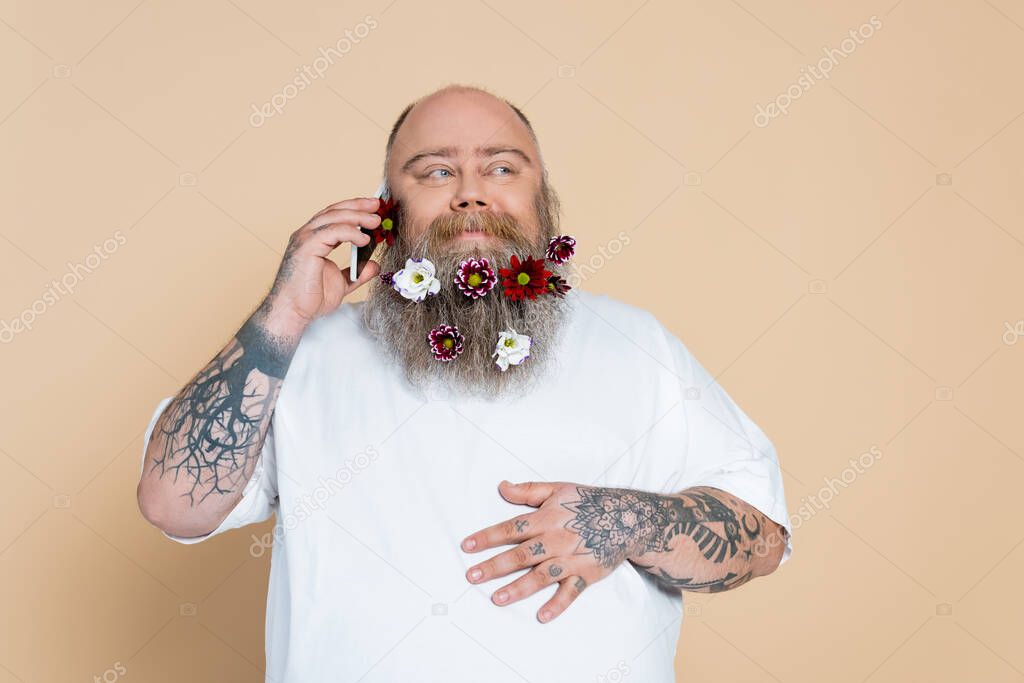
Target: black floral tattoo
615 523
537 548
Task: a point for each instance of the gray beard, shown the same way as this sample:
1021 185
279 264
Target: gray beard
402 326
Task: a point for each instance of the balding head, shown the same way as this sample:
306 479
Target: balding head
450 90
462 149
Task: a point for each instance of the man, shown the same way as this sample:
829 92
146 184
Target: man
386 435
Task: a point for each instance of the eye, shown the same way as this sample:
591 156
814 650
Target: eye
430 174
507 168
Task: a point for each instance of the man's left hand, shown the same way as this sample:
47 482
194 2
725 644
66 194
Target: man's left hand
576 536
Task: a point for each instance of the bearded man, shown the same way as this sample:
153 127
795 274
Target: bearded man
385 435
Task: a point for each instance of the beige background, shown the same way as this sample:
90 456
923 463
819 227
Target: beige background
851 272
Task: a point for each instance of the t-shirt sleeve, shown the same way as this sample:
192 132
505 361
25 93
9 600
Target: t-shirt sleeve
724 448
259 497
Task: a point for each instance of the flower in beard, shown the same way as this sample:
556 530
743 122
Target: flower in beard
557 286
561 248
416 280
526 278
388 279
446 342
512 348
387 209
475 277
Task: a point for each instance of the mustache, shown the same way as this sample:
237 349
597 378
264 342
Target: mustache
502 226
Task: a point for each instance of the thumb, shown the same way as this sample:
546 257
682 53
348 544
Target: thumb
366 273
532 493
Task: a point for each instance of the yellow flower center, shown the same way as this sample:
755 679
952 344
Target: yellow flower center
448 342
474 280
523 278
417 277
387 223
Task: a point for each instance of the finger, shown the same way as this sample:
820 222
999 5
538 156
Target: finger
568 590
523 555
367 273
544 574
527 493
510 531
327 237
360 219
368 204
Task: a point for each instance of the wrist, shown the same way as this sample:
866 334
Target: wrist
281 322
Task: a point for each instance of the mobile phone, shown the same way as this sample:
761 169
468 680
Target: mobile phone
360 255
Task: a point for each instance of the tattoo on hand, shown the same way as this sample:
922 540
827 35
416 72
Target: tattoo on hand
615 523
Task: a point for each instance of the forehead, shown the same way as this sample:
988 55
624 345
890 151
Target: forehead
465 120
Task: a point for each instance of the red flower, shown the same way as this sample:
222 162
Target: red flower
525 279
446 342
388 212
557 286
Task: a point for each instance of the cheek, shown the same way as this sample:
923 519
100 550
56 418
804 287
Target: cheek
415 225
522 210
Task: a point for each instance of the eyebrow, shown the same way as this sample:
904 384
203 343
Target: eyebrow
483 151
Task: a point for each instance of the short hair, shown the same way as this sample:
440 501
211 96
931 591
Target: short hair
389 149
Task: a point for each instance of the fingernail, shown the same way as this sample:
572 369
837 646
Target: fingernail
545 615
502 596
475 574
469 544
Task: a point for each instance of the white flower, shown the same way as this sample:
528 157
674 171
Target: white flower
511 349
416 280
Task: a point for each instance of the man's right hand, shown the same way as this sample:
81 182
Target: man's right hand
308 283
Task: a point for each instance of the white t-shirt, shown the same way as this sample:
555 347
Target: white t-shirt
375 486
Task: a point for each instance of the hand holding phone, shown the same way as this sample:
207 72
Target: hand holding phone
308 284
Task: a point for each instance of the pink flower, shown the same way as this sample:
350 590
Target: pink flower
475 277
446 342
561 248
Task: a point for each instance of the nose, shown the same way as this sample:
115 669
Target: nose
469 197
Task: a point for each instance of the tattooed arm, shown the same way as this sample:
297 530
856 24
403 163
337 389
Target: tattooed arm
206 444
706 540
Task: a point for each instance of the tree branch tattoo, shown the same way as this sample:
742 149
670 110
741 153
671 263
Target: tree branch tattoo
615 524
214 428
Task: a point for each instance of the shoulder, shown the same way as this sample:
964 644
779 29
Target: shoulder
601 312
340 333
345 319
